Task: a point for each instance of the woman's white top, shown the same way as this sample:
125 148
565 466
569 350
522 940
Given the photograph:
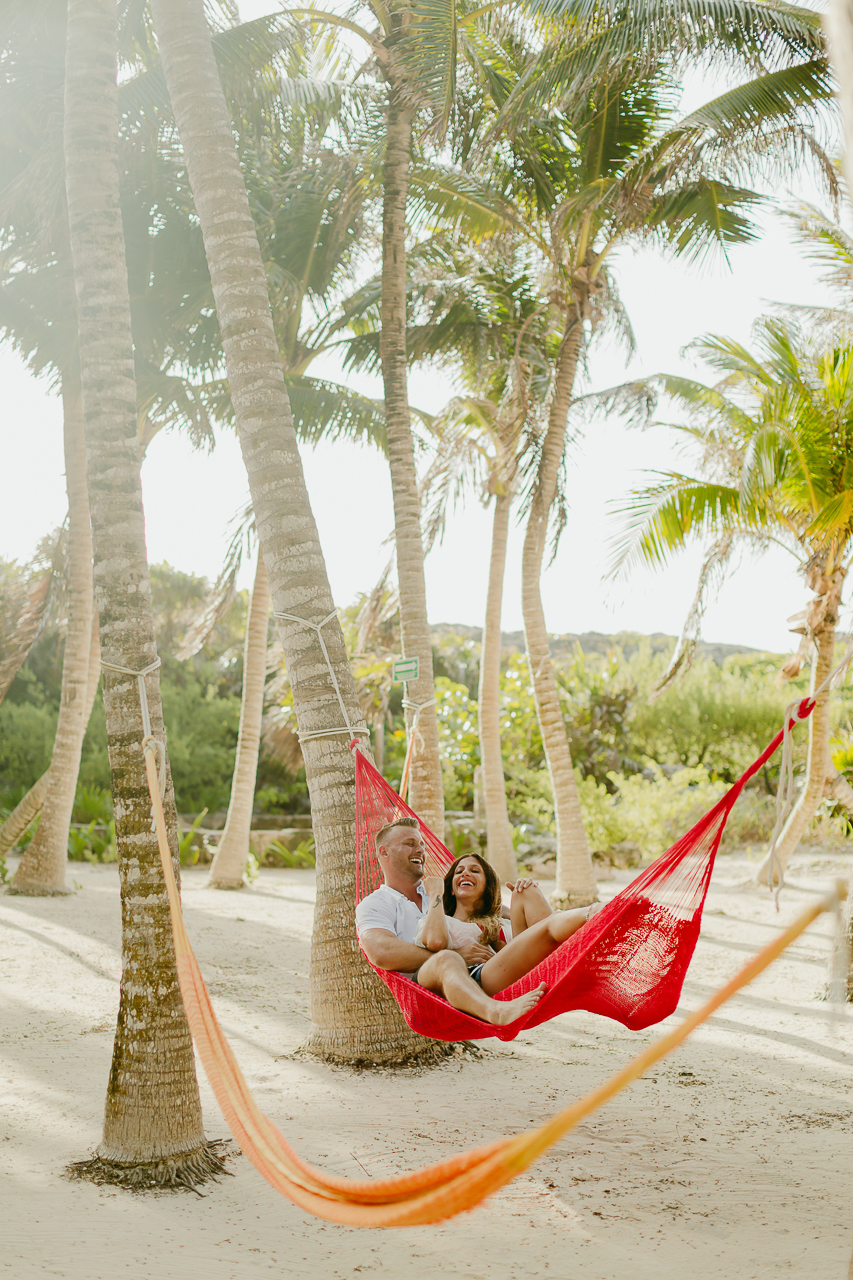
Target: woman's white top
460 932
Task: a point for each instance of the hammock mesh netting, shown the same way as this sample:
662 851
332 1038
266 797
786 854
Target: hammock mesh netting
627 963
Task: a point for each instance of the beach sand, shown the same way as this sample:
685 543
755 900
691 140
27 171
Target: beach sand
732 1159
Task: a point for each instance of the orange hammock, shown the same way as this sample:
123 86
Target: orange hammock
426 1195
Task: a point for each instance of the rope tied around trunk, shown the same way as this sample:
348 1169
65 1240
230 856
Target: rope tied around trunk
352 730
416 739
148 738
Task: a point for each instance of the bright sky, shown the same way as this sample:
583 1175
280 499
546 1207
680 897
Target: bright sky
190 497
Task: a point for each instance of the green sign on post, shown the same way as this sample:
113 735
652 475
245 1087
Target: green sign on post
404 669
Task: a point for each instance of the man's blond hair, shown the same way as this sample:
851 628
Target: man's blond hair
383 834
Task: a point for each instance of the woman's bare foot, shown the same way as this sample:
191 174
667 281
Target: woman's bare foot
506 1011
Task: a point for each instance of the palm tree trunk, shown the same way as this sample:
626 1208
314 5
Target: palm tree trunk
233 850
28 809
353 1016
42 869
426 788
498 831
152 1120
23 815
818 762
575 876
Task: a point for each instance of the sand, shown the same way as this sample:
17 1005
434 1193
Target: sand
732 1159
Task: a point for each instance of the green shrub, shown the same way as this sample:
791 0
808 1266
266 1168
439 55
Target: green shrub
187 848
95 843
277 854
92 804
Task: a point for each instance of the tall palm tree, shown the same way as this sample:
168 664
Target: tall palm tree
776 436
37 313
587 150
353 1018
487 315
229 864
413 51
152 1121
41 871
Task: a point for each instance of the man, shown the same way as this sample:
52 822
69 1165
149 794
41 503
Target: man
387 922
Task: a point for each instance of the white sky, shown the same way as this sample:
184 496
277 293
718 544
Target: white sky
190 497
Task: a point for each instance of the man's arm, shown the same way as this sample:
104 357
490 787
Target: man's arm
435 936
384 949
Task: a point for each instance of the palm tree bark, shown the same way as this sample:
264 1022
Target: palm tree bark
818 763
353 1017
233 849
41 871
498 831
576 884
29 807
426 788
152 1119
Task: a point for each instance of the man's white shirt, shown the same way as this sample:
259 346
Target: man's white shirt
387 908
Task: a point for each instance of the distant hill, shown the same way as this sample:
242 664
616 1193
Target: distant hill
595 641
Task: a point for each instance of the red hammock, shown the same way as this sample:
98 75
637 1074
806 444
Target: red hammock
628 963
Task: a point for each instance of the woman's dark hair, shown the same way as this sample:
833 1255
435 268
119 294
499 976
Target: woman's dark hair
488 912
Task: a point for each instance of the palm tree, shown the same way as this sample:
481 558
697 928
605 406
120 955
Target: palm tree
486 313
152 1122
353 1018
41 870
37 312
604 162
414 53
777 466
232 852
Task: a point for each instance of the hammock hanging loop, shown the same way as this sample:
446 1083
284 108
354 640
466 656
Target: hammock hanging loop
307 734
148 739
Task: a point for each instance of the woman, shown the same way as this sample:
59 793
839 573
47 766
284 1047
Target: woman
472 911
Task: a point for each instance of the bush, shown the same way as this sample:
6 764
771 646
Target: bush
277 854
92 804
95 843
26 744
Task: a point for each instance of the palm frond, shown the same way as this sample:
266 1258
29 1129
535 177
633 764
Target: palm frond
429 53
664 516
224 591
458 199
711 575
329 411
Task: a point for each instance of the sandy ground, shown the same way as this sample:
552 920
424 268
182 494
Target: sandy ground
733 1159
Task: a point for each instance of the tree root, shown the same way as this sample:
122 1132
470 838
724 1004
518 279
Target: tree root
182 1172
431 1054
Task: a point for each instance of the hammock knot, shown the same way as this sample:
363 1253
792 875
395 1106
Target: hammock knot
352 730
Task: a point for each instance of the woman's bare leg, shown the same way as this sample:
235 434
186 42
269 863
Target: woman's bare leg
447 974
524 953
528 906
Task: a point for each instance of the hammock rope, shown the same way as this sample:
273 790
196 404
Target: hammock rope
439 1191
416 740
352 730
